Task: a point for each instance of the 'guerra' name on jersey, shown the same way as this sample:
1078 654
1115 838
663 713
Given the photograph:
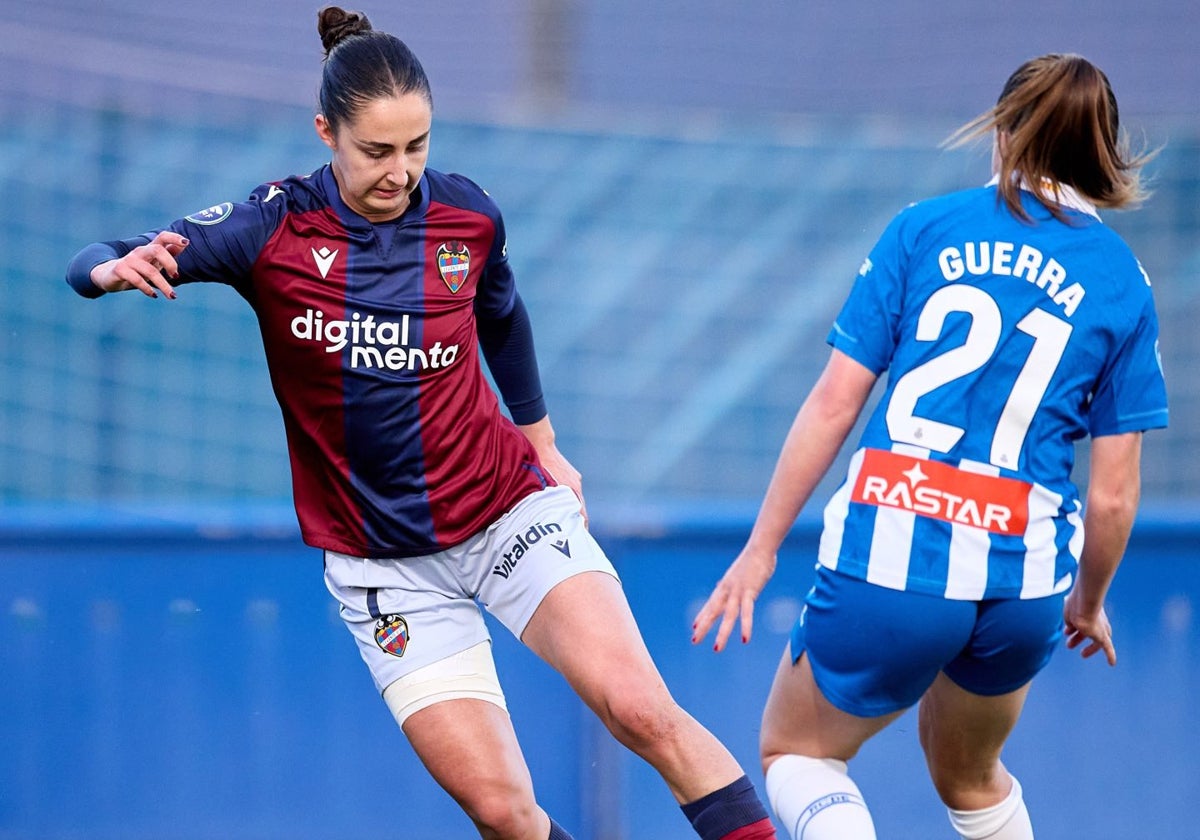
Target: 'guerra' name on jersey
1010 259
373 344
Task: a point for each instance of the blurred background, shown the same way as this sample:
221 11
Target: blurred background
689 189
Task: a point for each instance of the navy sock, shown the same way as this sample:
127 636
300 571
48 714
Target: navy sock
557 832
726 810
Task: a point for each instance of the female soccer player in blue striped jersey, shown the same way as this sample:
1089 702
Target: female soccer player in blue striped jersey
376 282
1011 323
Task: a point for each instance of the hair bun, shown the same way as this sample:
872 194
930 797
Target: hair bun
335 24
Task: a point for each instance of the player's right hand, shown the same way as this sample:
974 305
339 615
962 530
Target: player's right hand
145 268
732 600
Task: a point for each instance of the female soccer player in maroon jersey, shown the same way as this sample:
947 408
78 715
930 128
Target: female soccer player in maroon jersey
376 281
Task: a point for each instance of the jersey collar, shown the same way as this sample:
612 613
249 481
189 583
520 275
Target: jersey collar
418 204
1064 195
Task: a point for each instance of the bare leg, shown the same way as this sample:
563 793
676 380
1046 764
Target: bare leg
962 735
470 749
798 720
585 630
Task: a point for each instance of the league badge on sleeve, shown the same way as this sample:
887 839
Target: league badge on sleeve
391 634
211 215
454 264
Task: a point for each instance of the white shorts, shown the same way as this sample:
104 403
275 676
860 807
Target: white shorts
410 612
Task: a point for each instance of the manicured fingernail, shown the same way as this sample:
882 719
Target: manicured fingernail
186 241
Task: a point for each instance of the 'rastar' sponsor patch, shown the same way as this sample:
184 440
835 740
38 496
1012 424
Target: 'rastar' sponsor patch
940 491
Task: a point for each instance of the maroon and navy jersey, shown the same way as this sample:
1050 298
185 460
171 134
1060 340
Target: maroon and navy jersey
397 443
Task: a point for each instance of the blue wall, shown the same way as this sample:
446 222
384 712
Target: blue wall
168 675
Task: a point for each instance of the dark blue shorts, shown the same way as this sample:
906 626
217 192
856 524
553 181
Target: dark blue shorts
875 650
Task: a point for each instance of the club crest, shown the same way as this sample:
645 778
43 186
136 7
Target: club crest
391 634
454 263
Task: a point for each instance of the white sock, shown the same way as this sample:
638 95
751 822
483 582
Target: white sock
816 800
1008 820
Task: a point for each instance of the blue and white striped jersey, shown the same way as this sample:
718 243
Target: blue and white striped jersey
1004 343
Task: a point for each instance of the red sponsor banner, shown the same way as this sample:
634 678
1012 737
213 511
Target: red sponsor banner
940 491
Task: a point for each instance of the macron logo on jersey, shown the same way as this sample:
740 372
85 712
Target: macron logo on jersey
940 491
324 259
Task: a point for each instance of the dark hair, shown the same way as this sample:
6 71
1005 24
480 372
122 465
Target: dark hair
362 64
1058 118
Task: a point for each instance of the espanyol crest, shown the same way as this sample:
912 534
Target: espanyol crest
391 634
454 263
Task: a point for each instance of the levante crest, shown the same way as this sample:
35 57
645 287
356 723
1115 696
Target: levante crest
454 263
391 634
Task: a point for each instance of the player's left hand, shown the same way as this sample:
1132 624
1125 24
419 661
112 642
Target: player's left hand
564 473
733 598
1081 625
541 435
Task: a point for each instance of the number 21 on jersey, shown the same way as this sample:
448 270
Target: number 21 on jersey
1050 336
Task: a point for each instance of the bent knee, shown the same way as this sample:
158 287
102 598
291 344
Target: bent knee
502 814
643 720
965 787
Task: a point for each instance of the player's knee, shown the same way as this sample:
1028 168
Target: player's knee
643 720
502 814
967 785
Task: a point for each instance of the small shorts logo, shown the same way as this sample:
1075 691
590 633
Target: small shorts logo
391 634
524 542
212 215
454 264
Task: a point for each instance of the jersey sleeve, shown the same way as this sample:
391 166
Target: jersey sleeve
505 333
1131 394
497 291
507 345
867 326
226 239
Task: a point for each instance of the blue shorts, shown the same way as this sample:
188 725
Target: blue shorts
875 650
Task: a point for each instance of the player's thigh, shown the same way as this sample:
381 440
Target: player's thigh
799 720
963 733
552 586
585 630
542 541
970 710
470 749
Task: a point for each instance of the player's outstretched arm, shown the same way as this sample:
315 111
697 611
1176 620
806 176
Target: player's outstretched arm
1114 488
817 434
145 267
